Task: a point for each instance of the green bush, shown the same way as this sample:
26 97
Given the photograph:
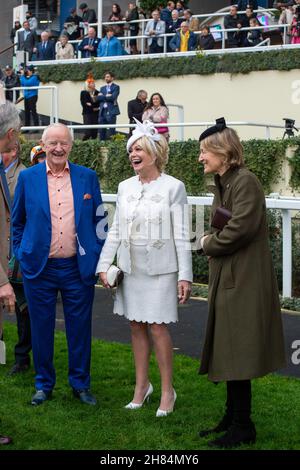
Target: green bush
199 64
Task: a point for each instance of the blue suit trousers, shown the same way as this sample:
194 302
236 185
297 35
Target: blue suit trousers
41 292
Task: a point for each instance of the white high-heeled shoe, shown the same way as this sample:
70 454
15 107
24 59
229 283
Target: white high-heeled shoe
162 413
136 406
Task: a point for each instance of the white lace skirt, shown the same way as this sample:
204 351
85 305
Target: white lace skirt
144 298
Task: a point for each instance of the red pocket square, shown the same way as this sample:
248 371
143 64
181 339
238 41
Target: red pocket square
87 196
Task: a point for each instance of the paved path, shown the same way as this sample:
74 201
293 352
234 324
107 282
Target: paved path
187 334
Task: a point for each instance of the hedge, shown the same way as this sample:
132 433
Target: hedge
199 64
109 160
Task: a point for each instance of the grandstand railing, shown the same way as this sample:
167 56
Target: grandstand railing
285 205
142 22
182 54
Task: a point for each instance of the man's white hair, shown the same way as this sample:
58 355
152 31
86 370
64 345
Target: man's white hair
9 118
56 125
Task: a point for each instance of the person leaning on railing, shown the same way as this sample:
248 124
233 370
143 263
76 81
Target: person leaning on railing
132 14
116 16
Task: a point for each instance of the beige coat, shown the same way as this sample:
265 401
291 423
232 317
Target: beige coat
4 242
66 52
244 337
12 177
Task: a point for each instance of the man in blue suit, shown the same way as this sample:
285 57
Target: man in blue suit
89 44
109 108
58 233
45 49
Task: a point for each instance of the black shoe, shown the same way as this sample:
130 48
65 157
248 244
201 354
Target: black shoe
18 368
85 397
223 425
40 396
235 436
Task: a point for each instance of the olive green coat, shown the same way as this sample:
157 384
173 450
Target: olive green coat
244 336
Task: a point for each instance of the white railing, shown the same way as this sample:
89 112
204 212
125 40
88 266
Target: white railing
285 205
165 53
54 97
141 21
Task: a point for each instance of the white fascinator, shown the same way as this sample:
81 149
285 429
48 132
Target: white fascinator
146 129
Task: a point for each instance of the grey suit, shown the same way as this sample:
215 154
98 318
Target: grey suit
27 44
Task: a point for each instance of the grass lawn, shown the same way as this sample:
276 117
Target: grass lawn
65 423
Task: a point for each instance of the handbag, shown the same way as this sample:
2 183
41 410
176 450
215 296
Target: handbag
114 275
162 130
14 271
221 218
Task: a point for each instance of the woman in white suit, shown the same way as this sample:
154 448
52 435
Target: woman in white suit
151 238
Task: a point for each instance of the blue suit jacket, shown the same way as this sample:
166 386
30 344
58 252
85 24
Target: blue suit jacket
32 220
85 42
47 53
112 103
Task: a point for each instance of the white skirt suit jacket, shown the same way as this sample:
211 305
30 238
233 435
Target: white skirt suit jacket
168 247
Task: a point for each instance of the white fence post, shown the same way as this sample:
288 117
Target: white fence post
286 253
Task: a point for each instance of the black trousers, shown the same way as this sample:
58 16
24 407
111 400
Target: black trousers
238 404
23 346
30 110
91 118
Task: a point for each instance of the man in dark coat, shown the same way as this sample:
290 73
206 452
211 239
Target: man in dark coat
244 334
136 107
88 14
109 108
9 128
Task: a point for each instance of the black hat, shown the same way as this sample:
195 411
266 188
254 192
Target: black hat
82 6
8 67
218 127
30 68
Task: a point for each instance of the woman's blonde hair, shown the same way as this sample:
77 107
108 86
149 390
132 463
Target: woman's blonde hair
227 145
159 150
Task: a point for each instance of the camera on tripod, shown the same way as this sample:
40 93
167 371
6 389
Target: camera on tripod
289 127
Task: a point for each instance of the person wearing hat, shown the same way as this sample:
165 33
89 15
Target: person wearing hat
11 80
244 336
30 79
90 107
150 234
37 155
13 167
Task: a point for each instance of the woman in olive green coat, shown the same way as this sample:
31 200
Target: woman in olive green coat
244 337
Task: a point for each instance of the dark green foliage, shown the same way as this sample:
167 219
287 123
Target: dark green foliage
171 66
264 158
